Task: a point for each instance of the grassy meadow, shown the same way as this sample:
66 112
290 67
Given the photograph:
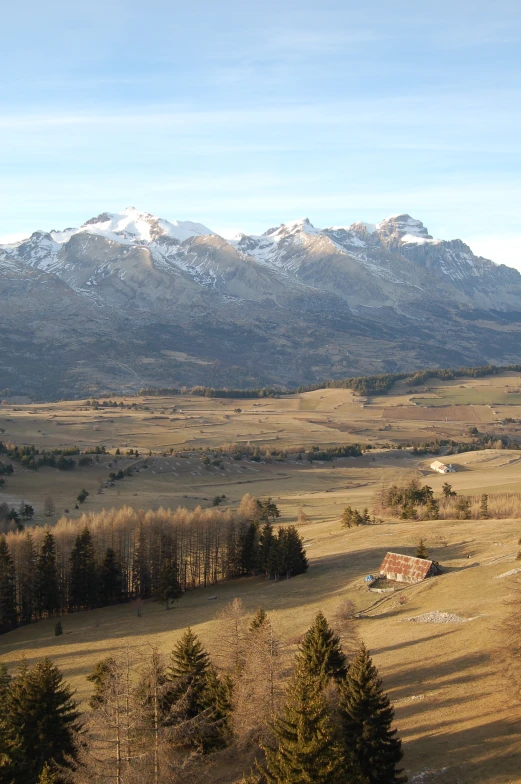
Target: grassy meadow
456 711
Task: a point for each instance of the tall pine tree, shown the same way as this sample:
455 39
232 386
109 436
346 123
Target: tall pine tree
141 584
189 665
8 613
47 588
367 718
266 540
307 748
43 718
83 586
292 556
194 695
26 568
169 587
110 580
321 653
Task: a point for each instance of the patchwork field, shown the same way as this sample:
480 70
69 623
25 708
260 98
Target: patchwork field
455 709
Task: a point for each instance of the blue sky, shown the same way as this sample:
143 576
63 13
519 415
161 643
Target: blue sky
244 115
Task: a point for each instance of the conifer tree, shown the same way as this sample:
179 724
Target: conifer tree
258 620
83 587
483 507
320 653
47 589
169 587
292 556
110 579
44 719
99 677
141 584
367 718
26 568
421 550
47 776
10 761
194 696
8 613
5 683
265 545
249 548
189 664
347 517
273 563
432 510
306 744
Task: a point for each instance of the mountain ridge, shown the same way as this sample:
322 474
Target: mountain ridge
292 305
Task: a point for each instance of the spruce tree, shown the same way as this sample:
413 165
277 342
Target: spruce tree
266 541
44 720
141 584
258 620
292 556
367 718
99 677
306 748
194 692
83 586
347 517
421 551
320 653
5 683
47 776
483 507
8 613
10 760
189 663
26 568
273 563
169 588
47 589
249 548
110 582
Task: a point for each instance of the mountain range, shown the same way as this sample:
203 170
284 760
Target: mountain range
130 300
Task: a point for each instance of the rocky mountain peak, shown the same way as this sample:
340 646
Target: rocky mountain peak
401 226
300 226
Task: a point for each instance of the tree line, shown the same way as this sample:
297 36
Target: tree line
122 555
30 457
411 501
167 720
362 385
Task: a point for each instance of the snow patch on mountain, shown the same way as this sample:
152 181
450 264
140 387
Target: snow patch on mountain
294 228
135 226
414 239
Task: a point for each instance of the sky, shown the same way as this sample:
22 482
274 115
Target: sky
244 115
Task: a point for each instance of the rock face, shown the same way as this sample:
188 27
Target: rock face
130 300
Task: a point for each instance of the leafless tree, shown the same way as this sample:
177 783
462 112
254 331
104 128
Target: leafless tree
230 647
259 688
345 625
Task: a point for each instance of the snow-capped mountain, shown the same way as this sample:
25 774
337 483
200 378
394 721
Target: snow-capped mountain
363 292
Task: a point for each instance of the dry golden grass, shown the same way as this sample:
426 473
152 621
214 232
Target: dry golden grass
453 708
457 716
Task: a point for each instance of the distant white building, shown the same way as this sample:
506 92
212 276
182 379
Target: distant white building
441 468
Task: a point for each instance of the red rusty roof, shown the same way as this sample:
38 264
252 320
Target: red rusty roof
414 569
